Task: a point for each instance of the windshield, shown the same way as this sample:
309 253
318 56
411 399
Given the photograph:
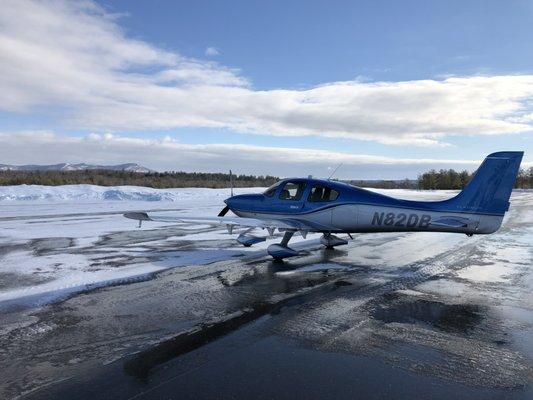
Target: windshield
292 191
271 190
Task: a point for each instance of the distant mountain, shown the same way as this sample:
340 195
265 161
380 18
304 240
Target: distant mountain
131 167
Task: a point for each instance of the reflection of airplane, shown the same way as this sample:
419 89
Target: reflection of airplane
328 207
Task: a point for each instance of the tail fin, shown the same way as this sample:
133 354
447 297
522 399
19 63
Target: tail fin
490 188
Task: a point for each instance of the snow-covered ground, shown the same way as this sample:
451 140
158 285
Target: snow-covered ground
48 236
55 241
443 305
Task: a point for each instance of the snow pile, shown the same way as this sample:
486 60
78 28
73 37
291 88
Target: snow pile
139 193
93 192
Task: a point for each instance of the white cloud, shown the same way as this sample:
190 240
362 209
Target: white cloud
72 61
212 51
168 154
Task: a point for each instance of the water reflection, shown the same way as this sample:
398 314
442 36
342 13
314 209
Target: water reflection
455 318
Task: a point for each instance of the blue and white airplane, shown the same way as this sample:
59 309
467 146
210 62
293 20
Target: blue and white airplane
331 207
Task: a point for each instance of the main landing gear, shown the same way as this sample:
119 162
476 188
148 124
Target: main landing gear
330 241
282 250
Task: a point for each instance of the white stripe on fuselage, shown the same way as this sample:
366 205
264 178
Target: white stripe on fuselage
370 218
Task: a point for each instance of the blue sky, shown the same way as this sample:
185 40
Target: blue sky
445 82
305 43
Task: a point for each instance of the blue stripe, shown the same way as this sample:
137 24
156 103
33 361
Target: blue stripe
366 204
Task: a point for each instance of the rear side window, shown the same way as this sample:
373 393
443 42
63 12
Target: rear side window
322 193
292 191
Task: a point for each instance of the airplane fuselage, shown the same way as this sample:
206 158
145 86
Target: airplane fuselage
354 218
357 210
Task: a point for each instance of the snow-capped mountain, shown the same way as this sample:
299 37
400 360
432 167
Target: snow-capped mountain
132 167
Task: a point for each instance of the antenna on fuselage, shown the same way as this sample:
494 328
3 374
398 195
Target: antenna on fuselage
335 170
231 182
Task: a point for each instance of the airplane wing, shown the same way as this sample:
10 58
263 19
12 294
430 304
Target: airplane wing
452 222
270 224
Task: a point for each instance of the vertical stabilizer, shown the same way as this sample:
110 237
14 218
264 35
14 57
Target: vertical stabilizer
490 188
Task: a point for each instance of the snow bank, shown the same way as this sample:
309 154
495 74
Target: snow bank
93 192
139 193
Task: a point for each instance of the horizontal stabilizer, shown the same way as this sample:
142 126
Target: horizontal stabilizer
451 222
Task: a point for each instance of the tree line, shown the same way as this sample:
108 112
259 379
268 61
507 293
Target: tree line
386 184
430 180
451 179
159 180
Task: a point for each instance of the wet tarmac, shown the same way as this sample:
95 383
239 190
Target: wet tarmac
388 316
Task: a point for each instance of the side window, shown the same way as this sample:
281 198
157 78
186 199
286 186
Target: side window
322 193
292 191
271 190
331 194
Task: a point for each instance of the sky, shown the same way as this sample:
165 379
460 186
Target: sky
290 88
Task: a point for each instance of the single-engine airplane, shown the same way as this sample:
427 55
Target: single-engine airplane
331 207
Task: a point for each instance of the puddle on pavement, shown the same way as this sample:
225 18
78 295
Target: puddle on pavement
456 318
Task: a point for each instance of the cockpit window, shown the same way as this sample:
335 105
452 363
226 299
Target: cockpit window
322 193
292 191
271 190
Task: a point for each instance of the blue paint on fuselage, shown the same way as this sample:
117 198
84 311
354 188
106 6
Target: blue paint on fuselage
487 194
348 194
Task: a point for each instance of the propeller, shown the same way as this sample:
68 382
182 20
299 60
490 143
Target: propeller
223 211
231 182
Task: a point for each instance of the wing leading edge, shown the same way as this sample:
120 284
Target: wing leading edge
270 224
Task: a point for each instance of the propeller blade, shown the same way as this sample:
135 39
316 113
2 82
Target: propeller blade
223 212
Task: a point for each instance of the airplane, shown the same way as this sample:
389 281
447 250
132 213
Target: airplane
330 207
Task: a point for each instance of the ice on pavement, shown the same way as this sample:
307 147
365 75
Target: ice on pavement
55 241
